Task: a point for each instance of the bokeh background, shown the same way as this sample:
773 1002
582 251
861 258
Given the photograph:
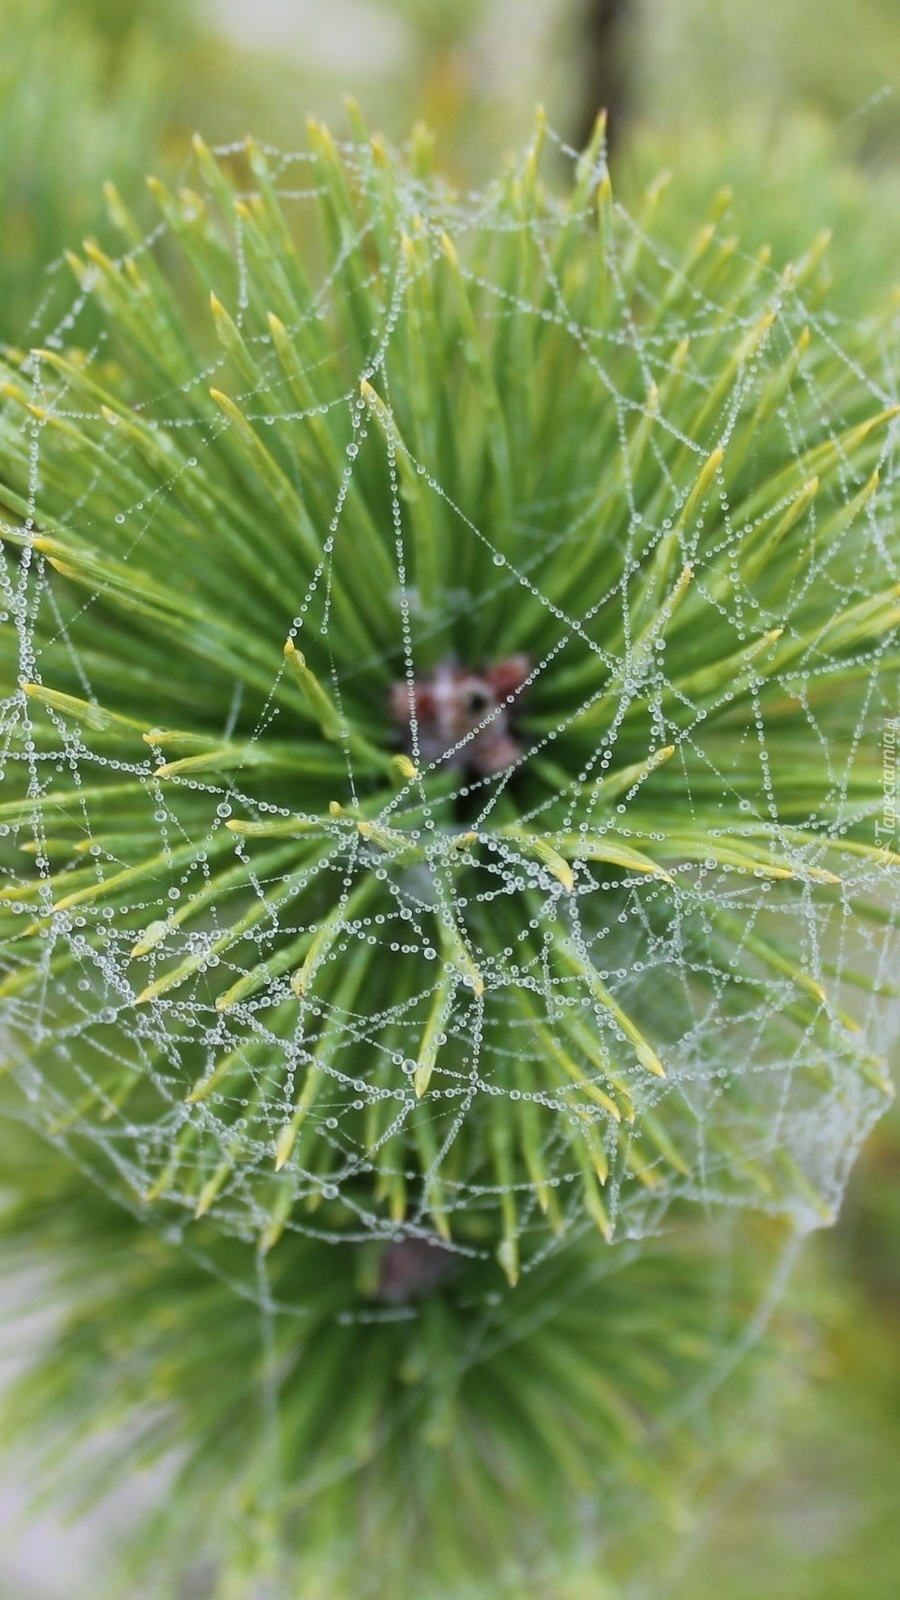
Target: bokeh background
797 107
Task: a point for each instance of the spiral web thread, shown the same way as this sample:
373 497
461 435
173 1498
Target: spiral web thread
747 1107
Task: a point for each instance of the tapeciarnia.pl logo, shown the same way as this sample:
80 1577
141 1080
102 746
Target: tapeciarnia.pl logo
886 826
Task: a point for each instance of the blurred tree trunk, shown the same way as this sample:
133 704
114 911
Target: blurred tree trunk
603 39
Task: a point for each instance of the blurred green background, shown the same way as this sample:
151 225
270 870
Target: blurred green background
798 108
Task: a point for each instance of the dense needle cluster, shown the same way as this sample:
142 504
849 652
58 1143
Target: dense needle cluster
446 652
278 947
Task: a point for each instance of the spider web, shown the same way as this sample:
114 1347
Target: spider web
648 960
